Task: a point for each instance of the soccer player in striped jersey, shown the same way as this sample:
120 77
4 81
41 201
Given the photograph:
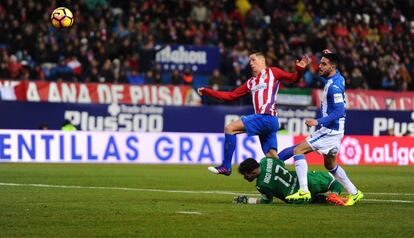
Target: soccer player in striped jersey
274 180
327 138
263 86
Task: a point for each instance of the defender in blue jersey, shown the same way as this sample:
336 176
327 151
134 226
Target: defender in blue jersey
326 140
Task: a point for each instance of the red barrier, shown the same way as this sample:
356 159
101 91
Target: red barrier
103 93
374 100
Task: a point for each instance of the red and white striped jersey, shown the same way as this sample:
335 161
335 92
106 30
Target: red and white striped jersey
264 90
263 87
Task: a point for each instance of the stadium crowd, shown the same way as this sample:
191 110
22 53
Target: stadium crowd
113 41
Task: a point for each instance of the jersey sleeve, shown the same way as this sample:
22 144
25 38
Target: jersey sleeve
266 197
335 95
287 76
227 96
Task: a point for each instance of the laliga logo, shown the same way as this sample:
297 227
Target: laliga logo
351 151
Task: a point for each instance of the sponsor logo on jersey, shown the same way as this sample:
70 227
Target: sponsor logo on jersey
260 86
338 98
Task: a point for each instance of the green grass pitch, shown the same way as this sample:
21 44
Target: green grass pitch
98 200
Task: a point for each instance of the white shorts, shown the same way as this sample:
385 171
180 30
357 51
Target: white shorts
325 141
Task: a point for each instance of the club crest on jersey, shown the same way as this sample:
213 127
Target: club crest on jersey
260 86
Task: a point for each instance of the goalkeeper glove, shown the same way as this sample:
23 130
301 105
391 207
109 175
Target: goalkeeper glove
241 199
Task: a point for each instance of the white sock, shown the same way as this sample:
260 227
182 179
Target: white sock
339 173
302 172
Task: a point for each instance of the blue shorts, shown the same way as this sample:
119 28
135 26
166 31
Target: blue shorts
265 126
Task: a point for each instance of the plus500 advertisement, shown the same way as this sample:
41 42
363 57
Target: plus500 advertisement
181 148
208 119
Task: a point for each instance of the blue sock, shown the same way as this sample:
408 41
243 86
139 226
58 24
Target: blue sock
229 146
286 153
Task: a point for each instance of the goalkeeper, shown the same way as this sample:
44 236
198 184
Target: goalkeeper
274 180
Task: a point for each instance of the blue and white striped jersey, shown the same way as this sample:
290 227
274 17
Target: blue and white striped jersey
333 103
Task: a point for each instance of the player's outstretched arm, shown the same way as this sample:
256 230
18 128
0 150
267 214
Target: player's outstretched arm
243 199
292 77
226 96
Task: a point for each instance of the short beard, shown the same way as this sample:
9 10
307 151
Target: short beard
326 74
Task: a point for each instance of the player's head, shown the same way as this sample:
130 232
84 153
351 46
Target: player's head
250 169
257 62
328 65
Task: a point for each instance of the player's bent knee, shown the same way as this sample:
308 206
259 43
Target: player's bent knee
228 129
297 151
232 129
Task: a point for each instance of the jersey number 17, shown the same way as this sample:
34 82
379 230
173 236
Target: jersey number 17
283 172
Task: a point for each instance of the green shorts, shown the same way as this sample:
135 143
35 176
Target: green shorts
322 182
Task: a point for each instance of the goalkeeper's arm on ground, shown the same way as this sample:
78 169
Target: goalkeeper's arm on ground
243 199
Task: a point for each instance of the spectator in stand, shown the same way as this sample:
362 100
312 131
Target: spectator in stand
25 71
355 81
61 72
362 31
14 67
158 78
216 81
374 76
236 77
199 12
404 76
107 72
94 76
175 78
149 77
187 77
135 78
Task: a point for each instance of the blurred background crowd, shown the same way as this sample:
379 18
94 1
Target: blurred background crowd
114 41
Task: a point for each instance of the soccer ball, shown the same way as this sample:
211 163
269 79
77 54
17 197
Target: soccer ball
62 17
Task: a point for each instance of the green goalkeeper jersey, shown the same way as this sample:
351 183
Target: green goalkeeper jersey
276 181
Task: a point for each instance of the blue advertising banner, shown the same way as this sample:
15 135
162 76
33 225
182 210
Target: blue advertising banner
181 57
362 122
211 119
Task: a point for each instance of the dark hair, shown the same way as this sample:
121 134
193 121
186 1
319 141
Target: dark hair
258 53
332 57
248 166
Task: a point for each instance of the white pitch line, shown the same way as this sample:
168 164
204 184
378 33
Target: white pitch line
119 188
181 191
189 213
389 201
392 194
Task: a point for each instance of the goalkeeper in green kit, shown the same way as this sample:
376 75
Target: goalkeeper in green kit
274 180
